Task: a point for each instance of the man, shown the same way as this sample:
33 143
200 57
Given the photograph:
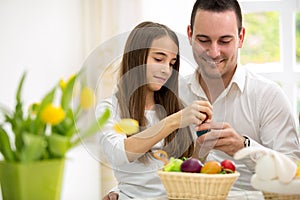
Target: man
248 110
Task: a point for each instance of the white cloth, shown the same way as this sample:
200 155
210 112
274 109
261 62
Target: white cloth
255 107
274 171
135 179
270 164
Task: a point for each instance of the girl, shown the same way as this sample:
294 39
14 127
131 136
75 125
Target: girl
147 91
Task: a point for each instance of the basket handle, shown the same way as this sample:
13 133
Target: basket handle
162 156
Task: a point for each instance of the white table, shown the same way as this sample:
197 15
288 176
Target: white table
233 195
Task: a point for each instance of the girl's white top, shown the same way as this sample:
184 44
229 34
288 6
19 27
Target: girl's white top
135 179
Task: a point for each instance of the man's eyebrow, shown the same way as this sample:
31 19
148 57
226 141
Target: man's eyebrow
227 36
222 37
201 35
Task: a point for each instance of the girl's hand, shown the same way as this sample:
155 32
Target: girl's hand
196 113
111 196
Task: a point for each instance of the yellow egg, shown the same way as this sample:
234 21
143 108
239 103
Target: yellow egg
298 169
127 126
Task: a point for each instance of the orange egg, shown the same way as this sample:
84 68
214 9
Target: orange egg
211 167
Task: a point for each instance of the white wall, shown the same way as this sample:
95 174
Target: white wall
46 38
42 37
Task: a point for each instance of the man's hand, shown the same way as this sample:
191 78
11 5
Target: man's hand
220 137
111 196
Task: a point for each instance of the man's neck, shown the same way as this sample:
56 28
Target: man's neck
213 87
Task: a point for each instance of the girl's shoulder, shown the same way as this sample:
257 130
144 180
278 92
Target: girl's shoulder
109 102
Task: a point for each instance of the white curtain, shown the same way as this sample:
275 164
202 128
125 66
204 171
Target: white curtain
106 24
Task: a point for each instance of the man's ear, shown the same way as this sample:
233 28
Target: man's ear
241 37
189 33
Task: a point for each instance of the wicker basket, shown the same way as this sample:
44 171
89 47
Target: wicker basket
275 196
181 185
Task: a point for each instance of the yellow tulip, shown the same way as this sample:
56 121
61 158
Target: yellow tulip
62 84
127 126
87 98
52 115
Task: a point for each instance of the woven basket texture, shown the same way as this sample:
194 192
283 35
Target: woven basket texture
275 196
181 185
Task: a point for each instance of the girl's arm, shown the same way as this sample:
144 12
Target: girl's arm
120 149
142 142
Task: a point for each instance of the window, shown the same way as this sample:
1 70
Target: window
261 47
272 44
298 106
298 41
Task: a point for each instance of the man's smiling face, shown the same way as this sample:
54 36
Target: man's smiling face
215 41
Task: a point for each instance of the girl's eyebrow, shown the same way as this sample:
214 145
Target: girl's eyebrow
159 53
162 54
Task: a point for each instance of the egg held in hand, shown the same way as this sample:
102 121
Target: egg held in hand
127 126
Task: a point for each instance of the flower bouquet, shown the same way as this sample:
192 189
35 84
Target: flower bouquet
41 136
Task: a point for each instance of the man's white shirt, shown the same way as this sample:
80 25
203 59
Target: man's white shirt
254 106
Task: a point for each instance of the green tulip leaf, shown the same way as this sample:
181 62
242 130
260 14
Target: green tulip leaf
94 127
67 93
58 144
34 147
5 147
18 95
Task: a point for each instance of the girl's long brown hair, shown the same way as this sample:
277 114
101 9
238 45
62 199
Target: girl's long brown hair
132 85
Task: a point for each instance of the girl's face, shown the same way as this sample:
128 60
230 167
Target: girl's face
160 61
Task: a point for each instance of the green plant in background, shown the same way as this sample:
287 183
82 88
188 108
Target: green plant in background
261 44
298 107
47 130
298 37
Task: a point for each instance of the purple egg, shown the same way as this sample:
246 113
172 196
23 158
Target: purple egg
192 165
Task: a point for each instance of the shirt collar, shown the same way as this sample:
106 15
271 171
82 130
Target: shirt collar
195 87
239 78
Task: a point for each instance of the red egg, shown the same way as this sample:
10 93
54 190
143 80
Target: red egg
228 166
